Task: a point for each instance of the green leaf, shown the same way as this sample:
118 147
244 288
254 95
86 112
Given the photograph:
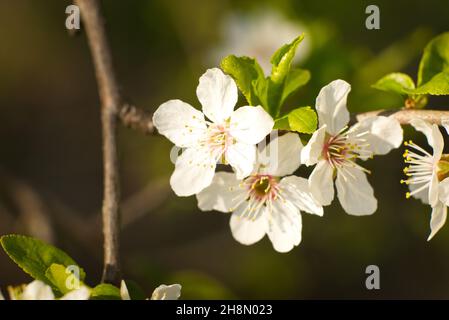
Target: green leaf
282 123
438 85
58 275
260 87
274 87
273 96
244 71
105 291
271 91
35 256
296 78
435 59
282 59
396 82
134 290
303 120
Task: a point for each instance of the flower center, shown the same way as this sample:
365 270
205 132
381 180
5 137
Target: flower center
218 138
343 150
261 191
262 186
443 167
420 167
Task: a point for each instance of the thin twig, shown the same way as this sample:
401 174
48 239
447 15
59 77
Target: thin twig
404 116
110 105
33 213
136 118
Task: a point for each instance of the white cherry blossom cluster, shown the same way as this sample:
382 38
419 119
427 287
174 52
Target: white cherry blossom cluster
38 290
263 194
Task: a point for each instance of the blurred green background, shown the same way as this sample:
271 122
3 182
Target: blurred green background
50 163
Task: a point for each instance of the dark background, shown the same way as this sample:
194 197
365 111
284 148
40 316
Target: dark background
50 158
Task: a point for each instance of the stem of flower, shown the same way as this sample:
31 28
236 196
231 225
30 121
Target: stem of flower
110 106
404 116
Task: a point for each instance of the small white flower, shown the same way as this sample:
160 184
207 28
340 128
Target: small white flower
163 292
428 174
124 293
265 203
38 290
242 36
231 136
83 293
334 148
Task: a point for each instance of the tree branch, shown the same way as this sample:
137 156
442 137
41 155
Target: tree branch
110 106
404 116
138 119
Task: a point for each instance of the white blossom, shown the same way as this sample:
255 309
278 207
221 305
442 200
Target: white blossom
38 290
163 292
335 148
229 136
428 174
264 202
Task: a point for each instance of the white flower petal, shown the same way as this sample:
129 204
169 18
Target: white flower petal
194 171
37 290
82 293
163 292
241 157
439 214
438 143
433 190
224 194
445 124
250 124
285 226
282 156
321 183
297 190
443 191
433 135
124 293
331 106
355 192
218 95
381 133
245 230
181 123
422 195
312 152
